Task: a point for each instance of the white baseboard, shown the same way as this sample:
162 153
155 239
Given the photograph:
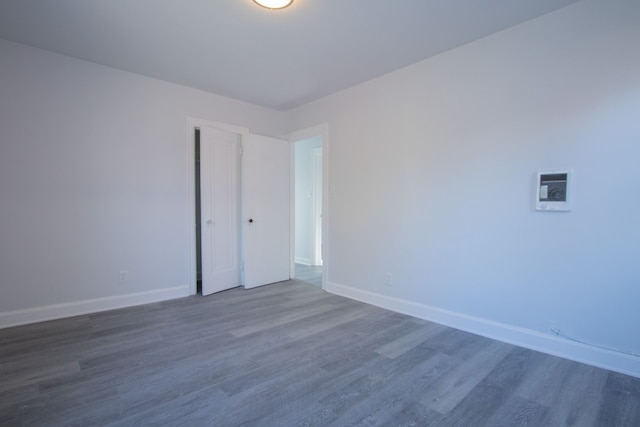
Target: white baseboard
527 338
76 308
303 261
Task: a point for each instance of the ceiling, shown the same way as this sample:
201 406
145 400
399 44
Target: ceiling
277 59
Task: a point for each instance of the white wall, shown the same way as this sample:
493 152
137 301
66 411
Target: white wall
433 170
304 224
93 180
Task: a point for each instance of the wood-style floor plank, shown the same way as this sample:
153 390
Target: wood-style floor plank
290 354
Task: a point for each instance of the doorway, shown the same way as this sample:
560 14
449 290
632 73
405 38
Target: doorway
308 183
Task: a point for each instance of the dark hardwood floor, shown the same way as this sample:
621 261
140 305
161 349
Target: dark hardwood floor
290 355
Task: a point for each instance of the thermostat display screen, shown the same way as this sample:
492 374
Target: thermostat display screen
553 187
552 191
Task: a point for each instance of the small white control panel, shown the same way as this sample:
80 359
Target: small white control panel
552 191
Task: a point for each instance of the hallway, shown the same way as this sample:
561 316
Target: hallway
309 274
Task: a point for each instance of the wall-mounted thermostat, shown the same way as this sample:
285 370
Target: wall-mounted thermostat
553 191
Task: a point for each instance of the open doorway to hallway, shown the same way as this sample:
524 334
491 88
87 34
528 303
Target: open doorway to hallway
308 210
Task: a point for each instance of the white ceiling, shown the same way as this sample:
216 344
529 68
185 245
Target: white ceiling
277 59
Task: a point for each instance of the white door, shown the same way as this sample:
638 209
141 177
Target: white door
219 211
266 214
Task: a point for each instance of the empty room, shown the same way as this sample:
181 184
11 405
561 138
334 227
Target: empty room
461 250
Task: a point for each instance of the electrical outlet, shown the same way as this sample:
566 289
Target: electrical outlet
123 277
388 280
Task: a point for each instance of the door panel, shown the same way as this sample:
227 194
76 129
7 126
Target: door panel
219 192
266 214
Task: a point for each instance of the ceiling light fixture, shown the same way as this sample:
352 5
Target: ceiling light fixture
273 4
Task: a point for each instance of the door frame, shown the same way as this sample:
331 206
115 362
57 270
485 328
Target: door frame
193 124
322 131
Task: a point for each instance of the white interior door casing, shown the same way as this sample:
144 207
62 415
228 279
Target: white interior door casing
266 210
219 194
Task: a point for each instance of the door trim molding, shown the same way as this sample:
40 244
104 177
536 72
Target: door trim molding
194 123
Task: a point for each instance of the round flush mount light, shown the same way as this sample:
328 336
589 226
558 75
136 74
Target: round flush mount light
273 4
